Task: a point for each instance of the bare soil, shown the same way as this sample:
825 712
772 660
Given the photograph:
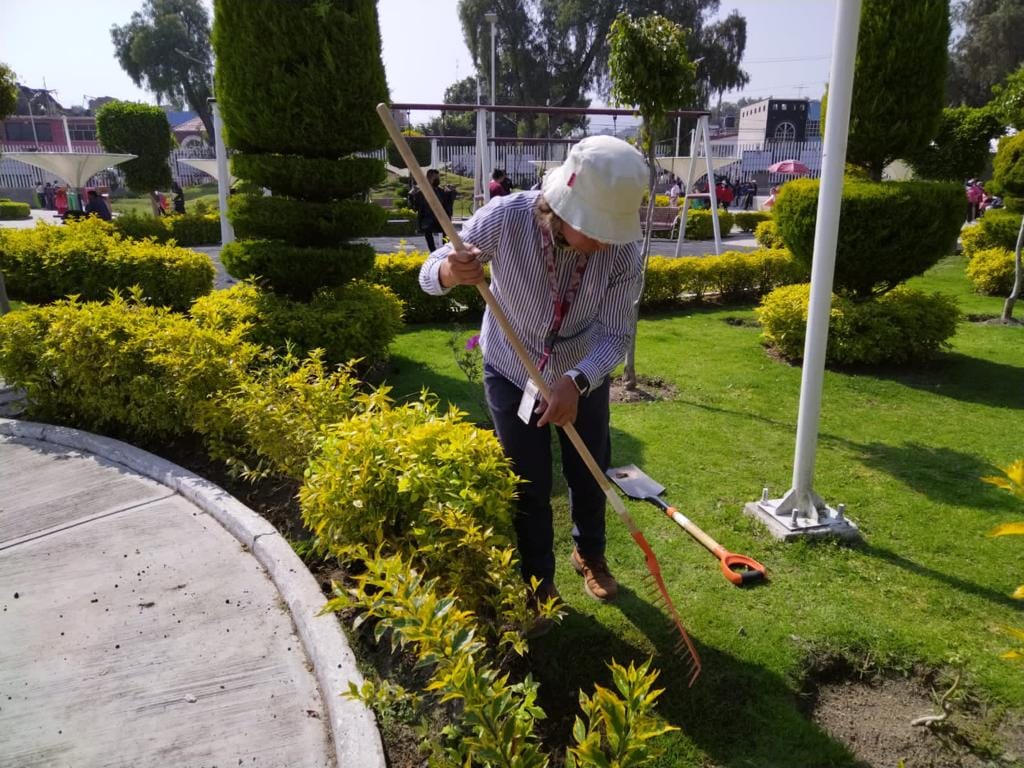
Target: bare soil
648 389
873 716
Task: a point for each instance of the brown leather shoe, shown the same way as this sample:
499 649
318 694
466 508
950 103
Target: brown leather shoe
541 625
598 581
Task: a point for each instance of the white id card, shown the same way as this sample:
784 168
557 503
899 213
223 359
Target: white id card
529 402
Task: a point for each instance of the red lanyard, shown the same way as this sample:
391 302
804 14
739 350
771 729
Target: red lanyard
562 303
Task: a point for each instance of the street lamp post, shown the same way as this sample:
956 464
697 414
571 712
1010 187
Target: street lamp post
492 18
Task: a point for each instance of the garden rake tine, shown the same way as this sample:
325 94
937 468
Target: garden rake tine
384 112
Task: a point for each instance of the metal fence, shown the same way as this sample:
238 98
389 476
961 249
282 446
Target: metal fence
18 175
522 160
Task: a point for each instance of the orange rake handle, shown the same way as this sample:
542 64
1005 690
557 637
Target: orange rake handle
430 196
739 569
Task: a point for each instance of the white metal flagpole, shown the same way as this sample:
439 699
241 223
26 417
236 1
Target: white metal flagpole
227 232
801 511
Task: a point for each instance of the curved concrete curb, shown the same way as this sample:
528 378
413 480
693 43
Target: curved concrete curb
353 727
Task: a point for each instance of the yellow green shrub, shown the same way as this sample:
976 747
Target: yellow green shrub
991 271
355 321
421 484
270 421
767 235
87 258
730 275
400 272
748 220
120 367
900 326
699 225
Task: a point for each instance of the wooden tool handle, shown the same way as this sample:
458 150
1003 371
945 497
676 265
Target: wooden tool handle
384 112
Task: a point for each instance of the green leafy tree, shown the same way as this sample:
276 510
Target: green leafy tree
142 130
899 80
165 48
960 148
8 91
296 123
556 52
1008 99
651 72
990 47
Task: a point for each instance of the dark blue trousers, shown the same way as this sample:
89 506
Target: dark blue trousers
529 448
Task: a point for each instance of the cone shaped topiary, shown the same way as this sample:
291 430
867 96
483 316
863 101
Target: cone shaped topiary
297 83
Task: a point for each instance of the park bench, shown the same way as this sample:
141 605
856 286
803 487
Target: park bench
664 220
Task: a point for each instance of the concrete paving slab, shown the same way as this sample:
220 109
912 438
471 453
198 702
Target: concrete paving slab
76 491
152 635
116 652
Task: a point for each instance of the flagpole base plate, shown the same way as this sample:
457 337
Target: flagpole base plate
787 527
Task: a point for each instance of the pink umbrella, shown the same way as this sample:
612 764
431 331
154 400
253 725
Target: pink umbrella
794 167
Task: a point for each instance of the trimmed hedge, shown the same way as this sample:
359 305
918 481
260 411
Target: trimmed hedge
888 231
119 367
991 271
700 227
303 223
400 273
301 77
748 220
310 178
185 229
357 320
295 271
399 226
731 275
767 235
10 210
901 326
669 281
87 258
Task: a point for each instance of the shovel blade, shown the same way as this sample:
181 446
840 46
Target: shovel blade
633 482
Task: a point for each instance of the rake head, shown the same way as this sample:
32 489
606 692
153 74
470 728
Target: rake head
684 646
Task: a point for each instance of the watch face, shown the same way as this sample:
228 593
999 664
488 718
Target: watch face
581 383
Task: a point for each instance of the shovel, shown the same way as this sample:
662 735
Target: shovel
739 569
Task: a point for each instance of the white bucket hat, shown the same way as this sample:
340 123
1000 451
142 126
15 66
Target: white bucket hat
599 188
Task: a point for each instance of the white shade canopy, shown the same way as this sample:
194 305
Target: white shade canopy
680 166
75 168
209 167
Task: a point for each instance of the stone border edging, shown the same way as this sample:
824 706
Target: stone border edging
353 726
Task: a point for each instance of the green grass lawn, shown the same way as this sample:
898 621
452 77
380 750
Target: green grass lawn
903 449
141 205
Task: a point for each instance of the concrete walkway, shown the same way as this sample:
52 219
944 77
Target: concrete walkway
147 618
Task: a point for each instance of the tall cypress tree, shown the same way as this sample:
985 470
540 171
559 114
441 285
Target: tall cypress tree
899 81
297 83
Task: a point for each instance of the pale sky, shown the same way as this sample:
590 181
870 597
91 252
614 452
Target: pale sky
67 44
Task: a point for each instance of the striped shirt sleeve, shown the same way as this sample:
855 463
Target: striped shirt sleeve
483 230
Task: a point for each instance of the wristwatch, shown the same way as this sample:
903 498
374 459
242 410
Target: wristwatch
580 380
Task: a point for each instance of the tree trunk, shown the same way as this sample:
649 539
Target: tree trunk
155 203
630 368
1015 291
5 305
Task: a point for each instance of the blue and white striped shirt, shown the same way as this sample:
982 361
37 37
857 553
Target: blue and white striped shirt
596 331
